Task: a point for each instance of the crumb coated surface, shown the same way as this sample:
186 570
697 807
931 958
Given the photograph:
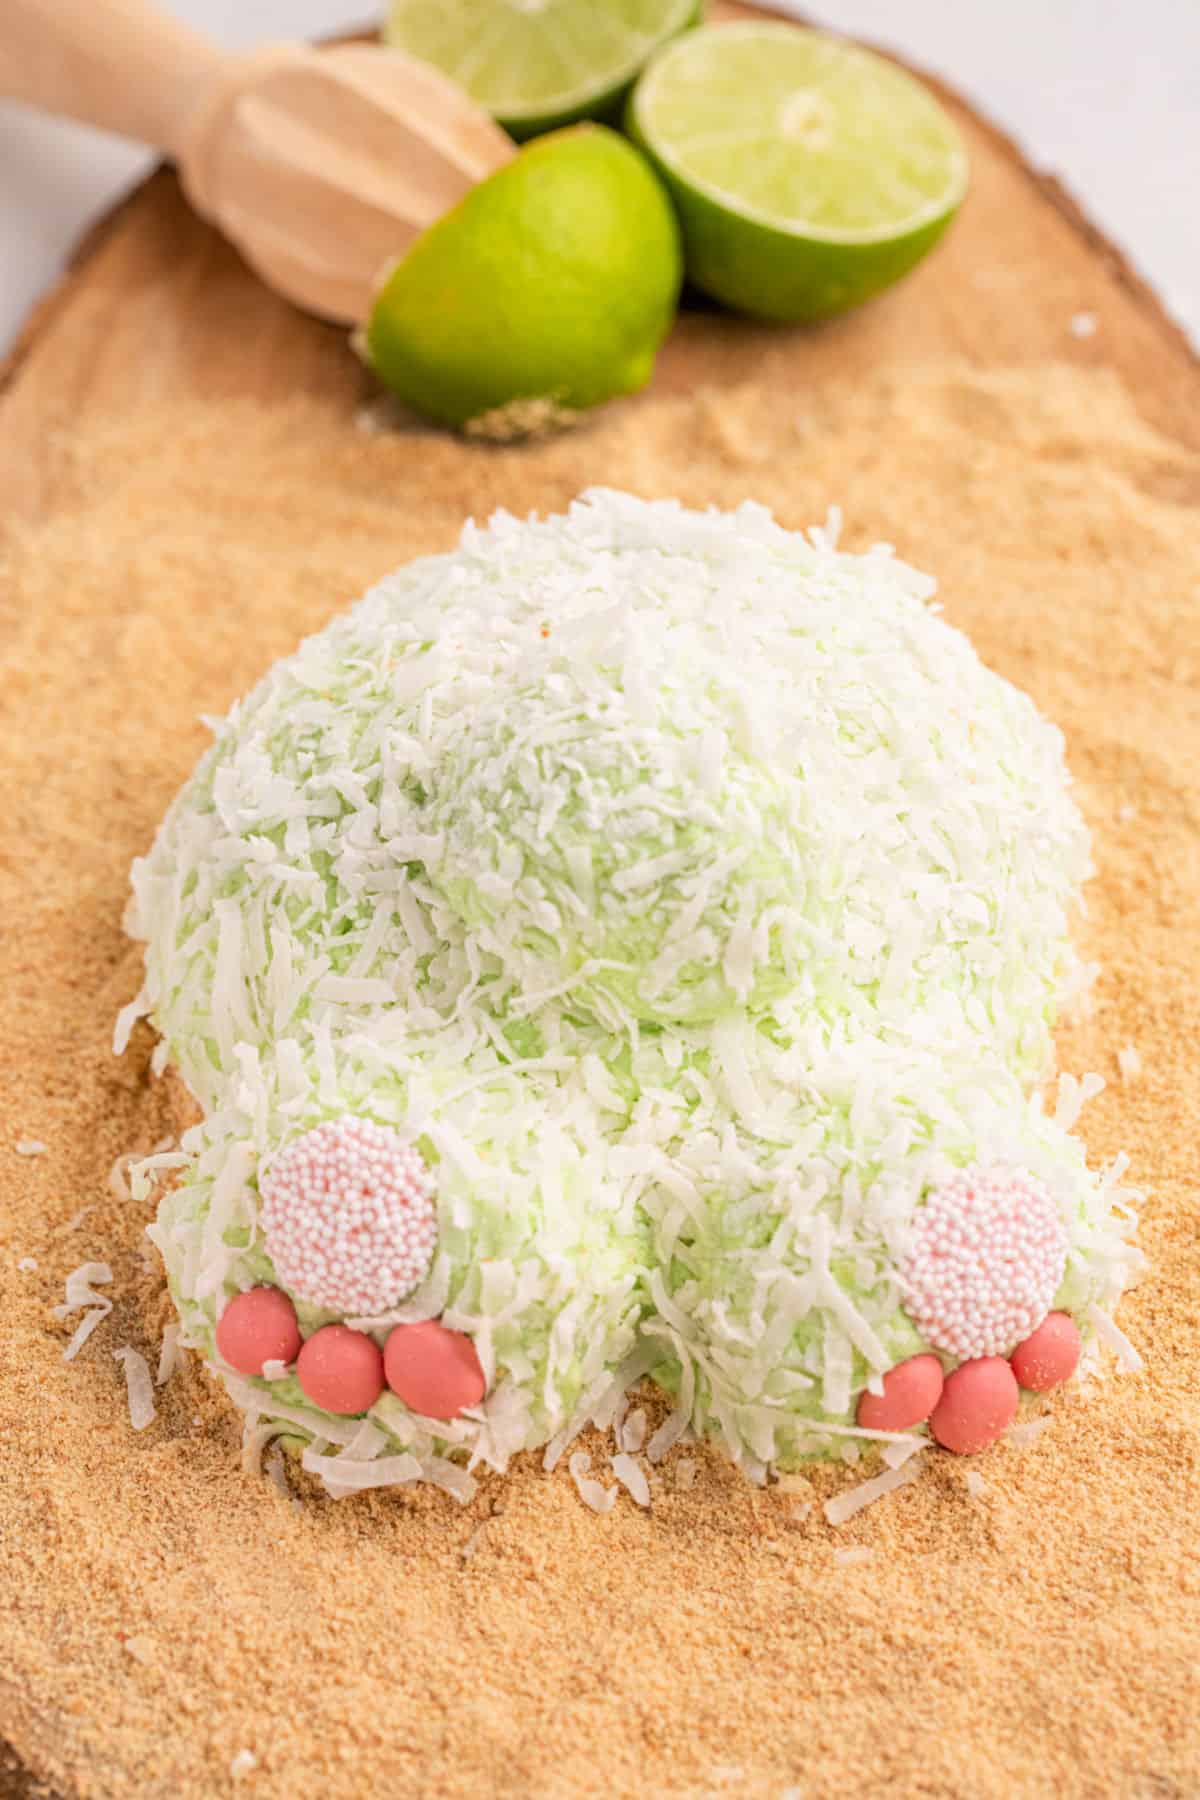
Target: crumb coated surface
164 1613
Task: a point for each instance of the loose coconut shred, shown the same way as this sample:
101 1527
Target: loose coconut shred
593 1493
846 1506
139 1387
169 1355
632 1477
82 1291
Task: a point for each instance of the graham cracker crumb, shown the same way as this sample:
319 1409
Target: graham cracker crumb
713 1644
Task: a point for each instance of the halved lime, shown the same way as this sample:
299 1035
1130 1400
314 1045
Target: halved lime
808 173
537 64
546 290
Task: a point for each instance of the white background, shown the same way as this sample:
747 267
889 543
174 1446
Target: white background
1104 92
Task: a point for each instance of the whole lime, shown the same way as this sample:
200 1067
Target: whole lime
548 289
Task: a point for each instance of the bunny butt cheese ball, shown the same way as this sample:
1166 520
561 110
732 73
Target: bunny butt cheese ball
624 946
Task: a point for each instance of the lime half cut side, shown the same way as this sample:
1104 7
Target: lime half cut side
538 64
808 173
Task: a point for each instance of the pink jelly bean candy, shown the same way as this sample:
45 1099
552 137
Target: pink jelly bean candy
1048 1355
256 1327
434 1370
978 1402
910 1392
341 1370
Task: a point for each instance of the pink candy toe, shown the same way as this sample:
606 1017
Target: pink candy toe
1048 1355
340 1370
434 1370
979 1401
256 1327
910 1392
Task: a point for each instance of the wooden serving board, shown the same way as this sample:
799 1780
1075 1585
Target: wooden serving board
156 308
183 491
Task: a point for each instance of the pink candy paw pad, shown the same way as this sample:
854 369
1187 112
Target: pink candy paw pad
349 1223
986 1260
987 1255
348 1217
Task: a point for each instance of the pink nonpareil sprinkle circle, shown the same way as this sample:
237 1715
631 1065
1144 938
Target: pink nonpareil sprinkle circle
986 1260
348 1217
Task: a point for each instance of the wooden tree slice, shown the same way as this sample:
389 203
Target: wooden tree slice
158 319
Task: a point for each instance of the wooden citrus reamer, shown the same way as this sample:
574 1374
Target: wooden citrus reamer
321 165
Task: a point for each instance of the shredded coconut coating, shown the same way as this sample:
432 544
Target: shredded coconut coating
693 899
